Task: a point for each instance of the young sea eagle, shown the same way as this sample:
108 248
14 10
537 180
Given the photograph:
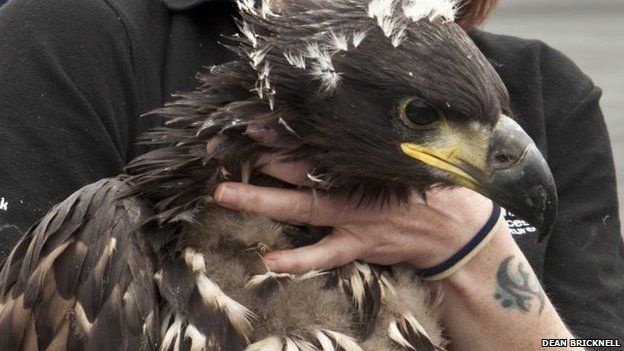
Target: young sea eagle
383 97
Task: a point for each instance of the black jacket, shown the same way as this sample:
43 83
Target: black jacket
75 74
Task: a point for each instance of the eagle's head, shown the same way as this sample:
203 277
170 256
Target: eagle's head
383 97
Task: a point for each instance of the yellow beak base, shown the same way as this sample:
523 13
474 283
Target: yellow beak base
444 159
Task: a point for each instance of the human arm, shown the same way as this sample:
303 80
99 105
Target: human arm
474 318
500 298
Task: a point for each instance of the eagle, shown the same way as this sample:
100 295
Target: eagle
383 98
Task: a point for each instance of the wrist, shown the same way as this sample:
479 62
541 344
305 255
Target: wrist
473 283
468 250
481 268
496 289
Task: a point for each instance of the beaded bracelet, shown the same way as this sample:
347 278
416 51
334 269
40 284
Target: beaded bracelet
466 253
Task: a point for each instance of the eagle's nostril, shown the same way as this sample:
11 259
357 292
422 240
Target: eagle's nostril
503 160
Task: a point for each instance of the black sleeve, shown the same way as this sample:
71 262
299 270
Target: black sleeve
67 102
584 261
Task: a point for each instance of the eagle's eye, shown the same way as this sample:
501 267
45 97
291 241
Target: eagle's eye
414 113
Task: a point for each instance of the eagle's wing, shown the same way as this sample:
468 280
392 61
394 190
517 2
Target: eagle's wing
83 277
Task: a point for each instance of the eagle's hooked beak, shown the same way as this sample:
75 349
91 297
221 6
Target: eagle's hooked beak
503 164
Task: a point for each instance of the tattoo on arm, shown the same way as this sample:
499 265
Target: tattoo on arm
517 287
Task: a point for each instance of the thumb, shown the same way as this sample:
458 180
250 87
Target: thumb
332 251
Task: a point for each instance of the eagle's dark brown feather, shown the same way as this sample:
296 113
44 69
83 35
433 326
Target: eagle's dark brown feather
71 288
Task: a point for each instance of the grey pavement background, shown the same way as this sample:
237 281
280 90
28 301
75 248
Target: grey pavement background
591 32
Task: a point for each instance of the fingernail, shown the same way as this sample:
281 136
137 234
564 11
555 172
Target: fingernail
225 196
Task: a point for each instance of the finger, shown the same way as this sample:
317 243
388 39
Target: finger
295 172
284 205
332 251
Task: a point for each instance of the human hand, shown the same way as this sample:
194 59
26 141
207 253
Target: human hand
420 233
